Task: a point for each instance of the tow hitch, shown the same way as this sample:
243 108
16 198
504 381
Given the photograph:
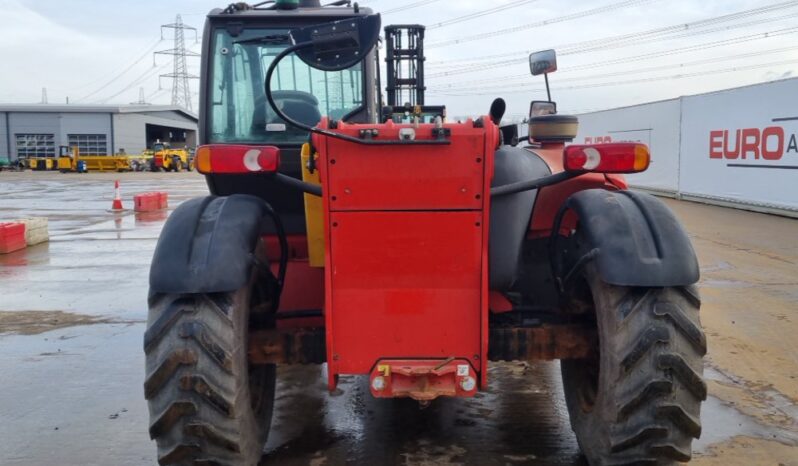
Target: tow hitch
423 380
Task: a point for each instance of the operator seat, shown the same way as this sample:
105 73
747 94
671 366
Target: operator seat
302 112
298 105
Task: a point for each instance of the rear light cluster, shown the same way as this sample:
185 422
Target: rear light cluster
608 158
237 159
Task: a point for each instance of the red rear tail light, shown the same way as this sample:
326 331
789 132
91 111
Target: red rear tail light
608 158
222 158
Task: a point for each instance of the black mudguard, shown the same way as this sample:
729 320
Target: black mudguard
510 215
208 244
636 239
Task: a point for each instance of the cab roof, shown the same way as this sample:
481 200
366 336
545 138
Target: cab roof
304 13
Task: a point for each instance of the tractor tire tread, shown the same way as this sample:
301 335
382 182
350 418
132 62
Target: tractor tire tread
659 416
642 396
686 374
211 395
165 321
683 324
156 381
209 343
649 411
170 416
203 430
652 336
625 441
196 398
179 454
681 418
671 451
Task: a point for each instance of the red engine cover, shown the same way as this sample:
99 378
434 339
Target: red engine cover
407 240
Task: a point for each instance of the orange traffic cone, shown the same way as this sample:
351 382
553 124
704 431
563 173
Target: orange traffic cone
117 205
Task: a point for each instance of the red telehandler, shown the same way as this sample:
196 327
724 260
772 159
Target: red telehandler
413 253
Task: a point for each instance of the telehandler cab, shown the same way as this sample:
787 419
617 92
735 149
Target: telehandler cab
413 253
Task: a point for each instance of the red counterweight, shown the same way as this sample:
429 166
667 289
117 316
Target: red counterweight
407 253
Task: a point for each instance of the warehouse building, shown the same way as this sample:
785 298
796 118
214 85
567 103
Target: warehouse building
37 130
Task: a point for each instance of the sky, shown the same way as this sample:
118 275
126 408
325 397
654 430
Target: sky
611 53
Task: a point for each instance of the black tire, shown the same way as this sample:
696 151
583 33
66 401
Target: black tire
207 405
641 403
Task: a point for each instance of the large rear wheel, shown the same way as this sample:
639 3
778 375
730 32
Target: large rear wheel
207 404
637 401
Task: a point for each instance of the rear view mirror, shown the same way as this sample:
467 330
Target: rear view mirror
338 45
542 107
543 62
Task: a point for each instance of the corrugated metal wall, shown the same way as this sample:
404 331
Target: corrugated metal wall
85 123
60 125
122 131
4 141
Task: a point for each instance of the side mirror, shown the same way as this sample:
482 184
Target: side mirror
542 107
543 62
338 45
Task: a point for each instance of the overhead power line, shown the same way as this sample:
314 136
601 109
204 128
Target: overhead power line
651 56
565 50
409 6
625 82
681 27
649 69
121 73
668 33
479 14
151 72
546 22
155 94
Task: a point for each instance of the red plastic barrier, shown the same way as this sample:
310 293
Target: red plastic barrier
146 202
164 200
12 237
150 202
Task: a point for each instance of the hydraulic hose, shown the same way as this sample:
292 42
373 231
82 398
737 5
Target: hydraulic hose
283 238
529 185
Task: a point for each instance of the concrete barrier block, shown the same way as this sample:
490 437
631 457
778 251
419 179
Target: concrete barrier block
36 230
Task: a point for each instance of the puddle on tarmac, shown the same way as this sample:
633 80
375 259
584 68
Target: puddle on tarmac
715 283
522 419
717 267
721 421
36 322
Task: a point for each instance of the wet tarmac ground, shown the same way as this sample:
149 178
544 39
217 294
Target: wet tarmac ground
71 381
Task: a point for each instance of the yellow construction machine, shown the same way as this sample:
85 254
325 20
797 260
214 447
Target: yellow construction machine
165 158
